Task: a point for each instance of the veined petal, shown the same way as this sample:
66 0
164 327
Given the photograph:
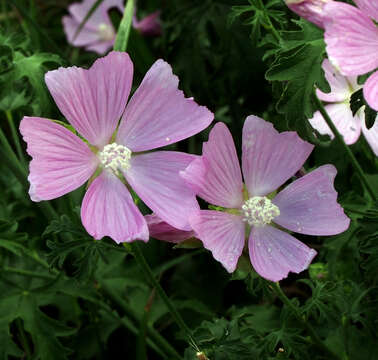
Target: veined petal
100 47
155 178
270 158
349 126
109 210
340 85
369 7
61 160
221 233
158 114
275 253
371 90
93 100
161 230
309 204
371 134
351 38
219 180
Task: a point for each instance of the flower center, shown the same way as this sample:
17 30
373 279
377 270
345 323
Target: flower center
105 32
259 211
115 157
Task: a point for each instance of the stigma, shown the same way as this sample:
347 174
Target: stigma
115 157
259 211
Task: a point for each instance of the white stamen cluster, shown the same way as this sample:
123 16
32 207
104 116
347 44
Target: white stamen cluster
259 211
115 157
105 32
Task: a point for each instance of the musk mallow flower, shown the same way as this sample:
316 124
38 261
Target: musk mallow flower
306 206
311 10
338 108
351 36
98 33
114 154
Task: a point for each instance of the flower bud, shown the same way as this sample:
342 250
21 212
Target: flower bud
311 10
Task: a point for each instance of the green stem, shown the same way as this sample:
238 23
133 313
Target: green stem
275 33
314 336
348 151
27 273
15 136
152 333
139 257
11 155
23 339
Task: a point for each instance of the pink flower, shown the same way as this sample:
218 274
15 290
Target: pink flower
161 230
269 159
98 33
149 25
93 101
339 109
311 10
352 41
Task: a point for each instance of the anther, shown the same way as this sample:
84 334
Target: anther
259 211
115 157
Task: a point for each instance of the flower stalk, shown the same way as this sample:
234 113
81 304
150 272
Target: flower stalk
348 151
139 257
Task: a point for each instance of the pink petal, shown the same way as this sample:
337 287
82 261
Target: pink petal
342 117
219 180
371 91
158 114
100 16
109 210
369 7
155 178
311 10
100 47
221 233
149 25
341 86
161 230
270 158
61 161
275 253
195 175
93 100
371 135
351 38
309 204
85 37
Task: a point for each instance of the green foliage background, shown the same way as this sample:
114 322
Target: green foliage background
65 296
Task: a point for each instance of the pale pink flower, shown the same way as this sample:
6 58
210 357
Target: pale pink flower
93 101
311 10
98 33
338 108
351 37
269 159
149 25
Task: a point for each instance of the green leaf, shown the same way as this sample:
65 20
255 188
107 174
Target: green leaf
298 67
123 32
44 331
